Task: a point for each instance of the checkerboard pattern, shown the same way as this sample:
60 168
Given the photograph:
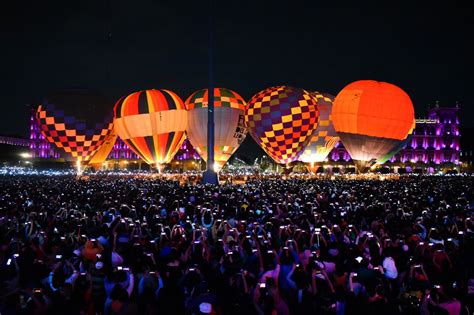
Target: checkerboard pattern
324 137
281 119
222 98
72 136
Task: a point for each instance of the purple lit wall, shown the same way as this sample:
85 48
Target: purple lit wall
122 151
39 146
186 152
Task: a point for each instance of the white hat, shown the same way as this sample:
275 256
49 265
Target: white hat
205 308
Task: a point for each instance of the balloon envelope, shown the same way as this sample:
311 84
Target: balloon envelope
371 118
73 120
152 123
281 120
324 136
229 126
397 147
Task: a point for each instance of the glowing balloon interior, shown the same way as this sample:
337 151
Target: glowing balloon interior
229 131
152 123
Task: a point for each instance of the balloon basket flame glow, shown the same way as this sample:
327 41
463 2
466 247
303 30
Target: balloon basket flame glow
159 168
363 166
313 167
79 169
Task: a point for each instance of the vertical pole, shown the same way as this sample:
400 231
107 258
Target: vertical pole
210 176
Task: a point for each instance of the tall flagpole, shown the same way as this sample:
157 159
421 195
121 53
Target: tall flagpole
210 175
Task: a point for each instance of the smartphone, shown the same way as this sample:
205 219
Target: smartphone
59 257
359 259
262 286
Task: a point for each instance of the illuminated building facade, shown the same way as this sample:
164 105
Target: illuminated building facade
122 151
186 152
435 139
39 146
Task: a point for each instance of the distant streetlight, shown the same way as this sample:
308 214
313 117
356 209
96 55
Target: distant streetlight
25 155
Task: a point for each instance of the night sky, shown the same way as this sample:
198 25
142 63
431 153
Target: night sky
120 46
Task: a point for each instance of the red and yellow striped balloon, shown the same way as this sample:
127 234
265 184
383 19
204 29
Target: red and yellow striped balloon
152 123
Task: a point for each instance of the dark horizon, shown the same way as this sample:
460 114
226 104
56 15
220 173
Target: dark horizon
115 47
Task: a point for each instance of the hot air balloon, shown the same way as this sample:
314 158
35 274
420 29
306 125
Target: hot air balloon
371 118
281 120
230 130
101 155
74 121
324 137
398 147
152 123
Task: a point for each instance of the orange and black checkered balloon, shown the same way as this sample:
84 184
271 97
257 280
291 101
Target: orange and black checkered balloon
72 136
281 120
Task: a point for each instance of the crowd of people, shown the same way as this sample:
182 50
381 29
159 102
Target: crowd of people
137 245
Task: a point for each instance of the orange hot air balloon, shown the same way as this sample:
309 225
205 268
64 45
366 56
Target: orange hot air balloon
152 123
371 118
